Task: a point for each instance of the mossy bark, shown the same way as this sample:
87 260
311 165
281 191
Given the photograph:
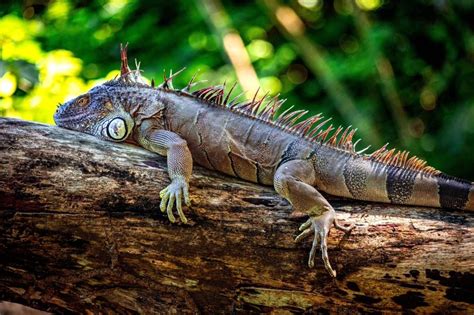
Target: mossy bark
81 231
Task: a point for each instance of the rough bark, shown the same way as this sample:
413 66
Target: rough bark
80 231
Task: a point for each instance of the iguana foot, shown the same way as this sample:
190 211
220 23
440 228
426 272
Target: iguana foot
172 194
320 226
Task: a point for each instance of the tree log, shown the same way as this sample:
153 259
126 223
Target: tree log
81 232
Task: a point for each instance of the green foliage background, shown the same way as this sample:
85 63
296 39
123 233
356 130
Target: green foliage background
55 50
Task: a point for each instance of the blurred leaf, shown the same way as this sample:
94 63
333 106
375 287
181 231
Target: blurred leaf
26 70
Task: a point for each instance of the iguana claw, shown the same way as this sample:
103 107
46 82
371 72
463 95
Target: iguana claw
172 194
320 226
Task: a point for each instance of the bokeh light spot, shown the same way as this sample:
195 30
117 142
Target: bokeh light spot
58 9
260 49
255 32
271 84
61 62
7 84
103 33
197 40
115 6
297 74
368 4
343 7
416 128
349 44
29 12
311 4
428 99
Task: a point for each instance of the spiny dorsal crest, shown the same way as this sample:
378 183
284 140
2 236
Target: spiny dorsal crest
266 109
401 159
127 76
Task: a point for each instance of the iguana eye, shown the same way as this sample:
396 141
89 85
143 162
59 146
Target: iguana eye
117 129
83 100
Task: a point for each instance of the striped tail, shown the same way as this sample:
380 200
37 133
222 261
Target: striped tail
455 193
371 180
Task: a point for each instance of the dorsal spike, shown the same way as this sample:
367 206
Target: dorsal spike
191 83
246 106
324 134
170 80
275 104
137 65
173 75
226 99
364 149
377 153
278 104
333 140
404 157
124 68
220 96
164 85
305 125
395 158
318 127
411 161
249 106
257 104
283 115
268 110
388 156
255 95
348 141
342 140
208 96
152 83
234 103
252 106
286 120
202 92
355 144
211 94
297 117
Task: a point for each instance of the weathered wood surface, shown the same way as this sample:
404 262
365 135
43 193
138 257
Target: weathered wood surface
80 231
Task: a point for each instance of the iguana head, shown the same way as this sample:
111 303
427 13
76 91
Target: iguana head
105 110
98 112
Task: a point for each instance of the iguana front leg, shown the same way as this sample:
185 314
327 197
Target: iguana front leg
180 166
293 180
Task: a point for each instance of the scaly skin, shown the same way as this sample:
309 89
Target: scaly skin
291 154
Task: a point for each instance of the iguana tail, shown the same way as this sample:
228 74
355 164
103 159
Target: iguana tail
455 193
392 177
404 184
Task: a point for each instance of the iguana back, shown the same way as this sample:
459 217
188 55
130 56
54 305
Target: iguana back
237 141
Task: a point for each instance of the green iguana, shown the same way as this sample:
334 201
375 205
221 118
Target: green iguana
251 141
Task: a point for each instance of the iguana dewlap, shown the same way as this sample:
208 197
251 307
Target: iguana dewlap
250 141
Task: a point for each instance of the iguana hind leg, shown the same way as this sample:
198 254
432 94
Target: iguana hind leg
293 180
